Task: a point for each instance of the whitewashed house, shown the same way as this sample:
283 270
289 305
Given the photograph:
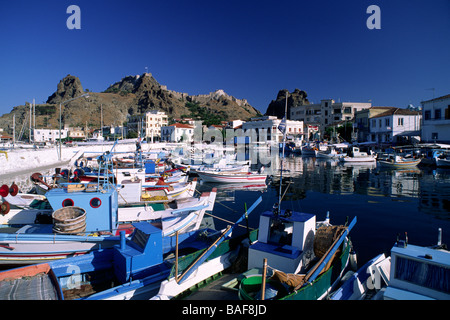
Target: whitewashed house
44 135
177 132
436 120
395 125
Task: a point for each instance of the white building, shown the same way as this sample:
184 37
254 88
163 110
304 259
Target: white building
44 135
150 123
177 132
234 124
266 129
77 133
436 120
326 113
154 120
395 125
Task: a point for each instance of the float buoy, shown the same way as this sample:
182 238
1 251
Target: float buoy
4 208
4 190
14 189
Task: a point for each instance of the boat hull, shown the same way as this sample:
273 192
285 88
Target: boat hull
317 290
232 178
357 159
401 164
443 163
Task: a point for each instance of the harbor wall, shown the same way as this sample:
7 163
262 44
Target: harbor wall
21 160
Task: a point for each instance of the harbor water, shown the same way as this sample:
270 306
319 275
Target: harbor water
386 203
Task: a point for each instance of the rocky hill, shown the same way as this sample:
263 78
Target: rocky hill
131 95
277 107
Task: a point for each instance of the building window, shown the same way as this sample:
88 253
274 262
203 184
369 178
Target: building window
374 123
427 115
379 123
434 136
400 121
437 114
386 121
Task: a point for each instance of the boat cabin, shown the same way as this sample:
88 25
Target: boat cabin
418 273
137 256
130 191
285 239
356 152
101 206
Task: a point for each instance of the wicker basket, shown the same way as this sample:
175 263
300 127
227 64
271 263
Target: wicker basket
69 220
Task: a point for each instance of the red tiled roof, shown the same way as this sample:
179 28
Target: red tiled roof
181 125
398 111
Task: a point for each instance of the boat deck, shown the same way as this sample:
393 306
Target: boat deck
215 290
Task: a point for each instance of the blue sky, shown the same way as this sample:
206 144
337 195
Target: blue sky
250 49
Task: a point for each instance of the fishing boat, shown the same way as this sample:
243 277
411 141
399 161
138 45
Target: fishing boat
305 261
232 177
355 155
229 163
178 215
132 191
411 272
22 208
429 155
93 217
330 153
309 149
443 161
13 200
226 168
218 257
35 243
132 269
395 161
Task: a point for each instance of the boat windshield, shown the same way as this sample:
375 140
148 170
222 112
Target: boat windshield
280 231
423 274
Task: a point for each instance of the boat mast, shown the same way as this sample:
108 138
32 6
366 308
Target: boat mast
282 155
14 130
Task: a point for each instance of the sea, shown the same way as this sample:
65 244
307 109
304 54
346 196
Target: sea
388 204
